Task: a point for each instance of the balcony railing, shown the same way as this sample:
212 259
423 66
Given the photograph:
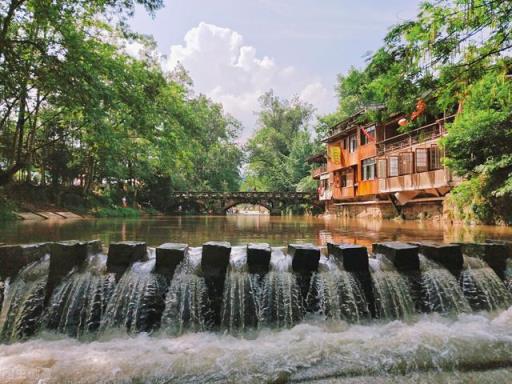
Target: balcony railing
418 135
315 173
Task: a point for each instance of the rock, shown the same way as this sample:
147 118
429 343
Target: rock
404 256
124 253
353 257
168 257
15 257
258 257
215 257
495 255
447 255
305 257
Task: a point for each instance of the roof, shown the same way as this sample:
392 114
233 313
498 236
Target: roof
351 122
317 158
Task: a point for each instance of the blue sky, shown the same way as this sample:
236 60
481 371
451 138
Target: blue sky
236 50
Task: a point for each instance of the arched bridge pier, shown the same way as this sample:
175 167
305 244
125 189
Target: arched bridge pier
219 202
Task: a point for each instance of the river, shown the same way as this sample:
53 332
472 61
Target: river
275 230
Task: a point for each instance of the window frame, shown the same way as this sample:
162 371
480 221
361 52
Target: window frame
365 167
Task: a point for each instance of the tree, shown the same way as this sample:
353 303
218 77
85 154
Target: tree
278 151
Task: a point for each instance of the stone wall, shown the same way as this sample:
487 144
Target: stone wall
432 210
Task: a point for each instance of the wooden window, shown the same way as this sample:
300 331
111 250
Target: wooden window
382 171
421 159
368 166
435 157
343 181
352 143
370 131
393 166
405 163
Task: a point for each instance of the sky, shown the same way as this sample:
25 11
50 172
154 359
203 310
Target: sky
236 50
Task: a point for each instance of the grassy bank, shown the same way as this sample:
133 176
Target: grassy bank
30 198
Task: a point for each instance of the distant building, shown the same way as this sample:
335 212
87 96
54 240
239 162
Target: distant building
371 169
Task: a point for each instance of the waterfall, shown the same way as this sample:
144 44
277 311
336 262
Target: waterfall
508 275
23 301
441 290
338 294
393 298
137 301
282 301
187 304
89 300
482 287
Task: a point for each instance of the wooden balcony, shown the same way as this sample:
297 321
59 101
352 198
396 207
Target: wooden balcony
341 193
367 187
316 172
418 135
416 181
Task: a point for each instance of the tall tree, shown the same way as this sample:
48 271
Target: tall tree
277 152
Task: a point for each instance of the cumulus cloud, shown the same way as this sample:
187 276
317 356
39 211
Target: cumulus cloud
231 72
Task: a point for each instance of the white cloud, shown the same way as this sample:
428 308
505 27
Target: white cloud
224 68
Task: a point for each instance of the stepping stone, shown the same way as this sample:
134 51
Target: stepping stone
447 255
258 257
124 253
305 257
495 255
353 257
169 256
404 256
15 257
215 257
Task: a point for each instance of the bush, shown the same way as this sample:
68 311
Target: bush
117 212
7 208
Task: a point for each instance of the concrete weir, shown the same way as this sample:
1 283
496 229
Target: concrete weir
73 291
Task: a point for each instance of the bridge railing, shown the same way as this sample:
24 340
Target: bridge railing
246 195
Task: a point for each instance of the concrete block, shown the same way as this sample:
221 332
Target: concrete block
169 256
353 257
258 257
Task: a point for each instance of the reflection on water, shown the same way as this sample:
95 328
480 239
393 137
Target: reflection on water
195 230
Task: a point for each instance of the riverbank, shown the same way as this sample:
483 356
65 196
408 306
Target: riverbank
28 202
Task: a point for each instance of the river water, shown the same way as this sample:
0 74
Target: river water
274 230
457 346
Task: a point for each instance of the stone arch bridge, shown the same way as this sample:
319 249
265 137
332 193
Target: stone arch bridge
220 202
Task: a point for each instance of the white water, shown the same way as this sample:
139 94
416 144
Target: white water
312 350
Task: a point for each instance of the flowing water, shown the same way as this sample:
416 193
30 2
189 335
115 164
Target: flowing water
279 326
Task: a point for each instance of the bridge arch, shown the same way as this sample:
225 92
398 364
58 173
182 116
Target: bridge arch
220 202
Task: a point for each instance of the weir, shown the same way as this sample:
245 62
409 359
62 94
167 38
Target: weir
76 289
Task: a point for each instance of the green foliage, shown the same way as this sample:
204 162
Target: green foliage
75 107
7 208
278 151
479 145
117 212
